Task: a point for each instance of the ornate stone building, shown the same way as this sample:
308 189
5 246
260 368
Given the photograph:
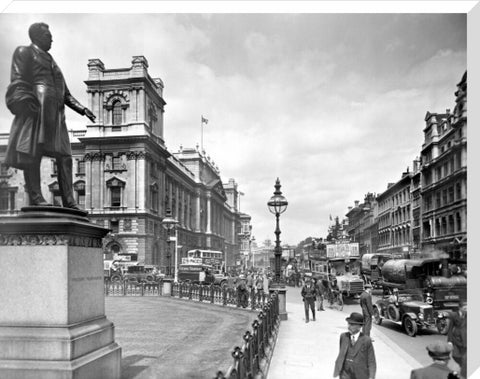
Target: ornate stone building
395 217
444 178
126 178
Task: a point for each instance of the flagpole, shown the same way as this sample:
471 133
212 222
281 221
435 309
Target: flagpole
201 133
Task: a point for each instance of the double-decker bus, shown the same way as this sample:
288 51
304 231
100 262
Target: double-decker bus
209 257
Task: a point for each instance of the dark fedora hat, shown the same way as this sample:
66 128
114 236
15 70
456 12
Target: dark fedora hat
439 350
355 318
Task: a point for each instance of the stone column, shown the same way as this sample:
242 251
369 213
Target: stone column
52 314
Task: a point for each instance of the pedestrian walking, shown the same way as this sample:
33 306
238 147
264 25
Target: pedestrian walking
242 292
356 358
320 293
440 353
309 293
367 308
457 337
259 287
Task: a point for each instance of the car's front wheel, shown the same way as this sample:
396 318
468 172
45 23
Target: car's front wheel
410 326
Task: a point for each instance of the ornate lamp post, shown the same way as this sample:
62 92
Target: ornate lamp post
170 224
277 205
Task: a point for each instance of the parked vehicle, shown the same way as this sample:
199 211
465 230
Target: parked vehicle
405 308
429 278
221 279
195 272
142 273
371 267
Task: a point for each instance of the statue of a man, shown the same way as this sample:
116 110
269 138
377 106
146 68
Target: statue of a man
37 96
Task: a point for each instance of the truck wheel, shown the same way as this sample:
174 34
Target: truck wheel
377 319
410 326
443 325
223 283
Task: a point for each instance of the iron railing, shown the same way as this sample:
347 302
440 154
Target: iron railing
210 293
253 358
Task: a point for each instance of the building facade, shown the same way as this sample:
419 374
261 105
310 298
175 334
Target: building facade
394 217
444 178
126 179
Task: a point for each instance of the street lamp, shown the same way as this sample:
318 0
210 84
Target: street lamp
252 240
170 223
277 205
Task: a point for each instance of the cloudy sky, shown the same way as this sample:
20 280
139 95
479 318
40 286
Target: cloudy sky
332 104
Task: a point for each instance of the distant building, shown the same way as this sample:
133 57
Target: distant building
444 178
126 178
362 225
394 217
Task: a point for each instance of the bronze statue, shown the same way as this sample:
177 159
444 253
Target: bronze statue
37 96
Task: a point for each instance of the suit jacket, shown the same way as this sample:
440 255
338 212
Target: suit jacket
434 371
366 304
364 356
309 292
37 96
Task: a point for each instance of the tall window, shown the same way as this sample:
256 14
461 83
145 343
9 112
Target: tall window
81 167
79 188
154 197
451 224
117 113
458 188
116 196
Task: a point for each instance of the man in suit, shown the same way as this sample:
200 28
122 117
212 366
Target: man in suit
367 308
37 96
356 358
309 295
440 353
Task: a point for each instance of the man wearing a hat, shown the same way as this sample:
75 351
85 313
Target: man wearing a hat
440 353
356 358
367 308
309 295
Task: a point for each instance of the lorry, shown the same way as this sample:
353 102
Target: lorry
340 268
371 267
193 270
429 279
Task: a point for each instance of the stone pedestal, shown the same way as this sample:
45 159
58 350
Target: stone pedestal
52 313
282 299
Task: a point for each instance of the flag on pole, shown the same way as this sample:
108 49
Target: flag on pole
204 120
331 218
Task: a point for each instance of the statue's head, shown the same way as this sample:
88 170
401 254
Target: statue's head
40 35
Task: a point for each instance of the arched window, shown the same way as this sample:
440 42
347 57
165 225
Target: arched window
117 113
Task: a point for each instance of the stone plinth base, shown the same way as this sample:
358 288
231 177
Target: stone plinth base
85 350
282 299
52 313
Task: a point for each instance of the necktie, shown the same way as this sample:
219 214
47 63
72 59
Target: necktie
353 340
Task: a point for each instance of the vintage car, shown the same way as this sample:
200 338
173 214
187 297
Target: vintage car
142 273
405 308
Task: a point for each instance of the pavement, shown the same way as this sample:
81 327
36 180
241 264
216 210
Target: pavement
308 350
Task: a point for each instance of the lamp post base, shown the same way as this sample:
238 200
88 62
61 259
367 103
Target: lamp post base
282 299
